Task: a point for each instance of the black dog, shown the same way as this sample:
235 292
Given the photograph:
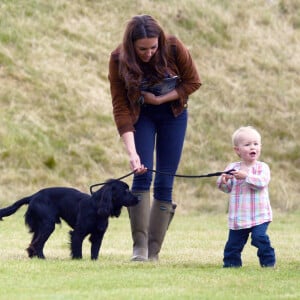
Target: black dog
84 213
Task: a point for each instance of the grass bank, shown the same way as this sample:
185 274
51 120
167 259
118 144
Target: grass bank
56 125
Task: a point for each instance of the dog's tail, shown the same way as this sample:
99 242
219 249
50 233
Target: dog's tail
9 210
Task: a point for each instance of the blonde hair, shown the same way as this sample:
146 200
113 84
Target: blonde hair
243 129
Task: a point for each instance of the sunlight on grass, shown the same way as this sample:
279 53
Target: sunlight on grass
190 265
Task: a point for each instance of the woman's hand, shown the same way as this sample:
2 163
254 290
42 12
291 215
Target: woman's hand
135 164
150 98
134 159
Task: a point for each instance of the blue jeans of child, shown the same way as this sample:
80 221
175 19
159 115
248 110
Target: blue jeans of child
158 129
259 239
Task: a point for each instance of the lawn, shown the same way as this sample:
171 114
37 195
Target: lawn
190 265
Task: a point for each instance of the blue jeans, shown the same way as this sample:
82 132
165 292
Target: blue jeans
158 129
237 239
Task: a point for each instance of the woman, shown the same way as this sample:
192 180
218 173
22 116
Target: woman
151 76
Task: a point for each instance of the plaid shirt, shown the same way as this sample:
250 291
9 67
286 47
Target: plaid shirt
249 198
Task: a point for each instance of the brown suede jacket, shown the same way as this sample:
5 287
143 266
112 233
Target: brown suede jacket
126 108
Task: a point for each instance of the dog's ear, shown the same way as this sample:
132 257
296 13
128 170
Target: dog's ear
103 199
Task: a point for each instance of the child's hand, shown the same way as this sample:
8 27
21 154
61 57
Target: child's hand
226 177
240 174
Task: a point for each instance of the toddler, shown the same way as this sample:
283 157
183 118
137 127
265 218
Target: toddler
249 207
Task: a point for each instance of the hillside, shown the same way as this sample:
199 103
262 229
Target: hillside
56 125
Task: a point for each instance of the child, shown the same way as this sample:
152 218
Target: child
249 207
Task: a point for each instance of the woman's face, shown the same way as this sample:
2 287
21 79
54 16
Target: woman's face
146 48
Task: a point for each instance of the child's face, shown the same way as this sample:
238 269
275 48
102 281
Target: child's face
249 147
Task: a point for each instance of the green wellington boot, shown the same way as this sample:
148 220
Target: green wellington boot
161 216
139 221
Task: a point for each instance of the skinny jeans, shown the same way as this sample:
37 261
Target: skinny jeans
237 239
157 129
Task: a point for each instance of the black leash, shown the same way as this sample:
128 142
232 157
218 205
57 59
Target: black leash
102 183
168 174
194 176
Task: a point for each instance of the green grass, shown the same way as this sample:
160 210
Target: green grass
190 265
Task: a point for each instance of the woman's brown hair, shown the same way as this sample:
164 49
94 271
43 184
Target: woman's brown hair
140 27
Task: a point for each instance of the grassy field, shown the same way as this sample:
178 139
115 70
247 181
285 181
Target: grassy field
190 265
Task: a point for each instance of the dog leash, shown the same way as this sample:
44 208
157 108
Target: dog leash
102 183
194 176
168 174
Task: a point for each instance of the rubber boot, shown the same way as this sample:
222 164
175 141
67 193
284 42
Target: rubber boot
139 221
161 216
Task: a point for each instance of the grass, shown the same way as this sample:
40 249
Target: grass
190 265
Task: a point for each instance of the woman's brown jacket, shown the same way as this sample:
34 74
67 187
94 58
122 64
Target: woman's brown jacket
126 108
